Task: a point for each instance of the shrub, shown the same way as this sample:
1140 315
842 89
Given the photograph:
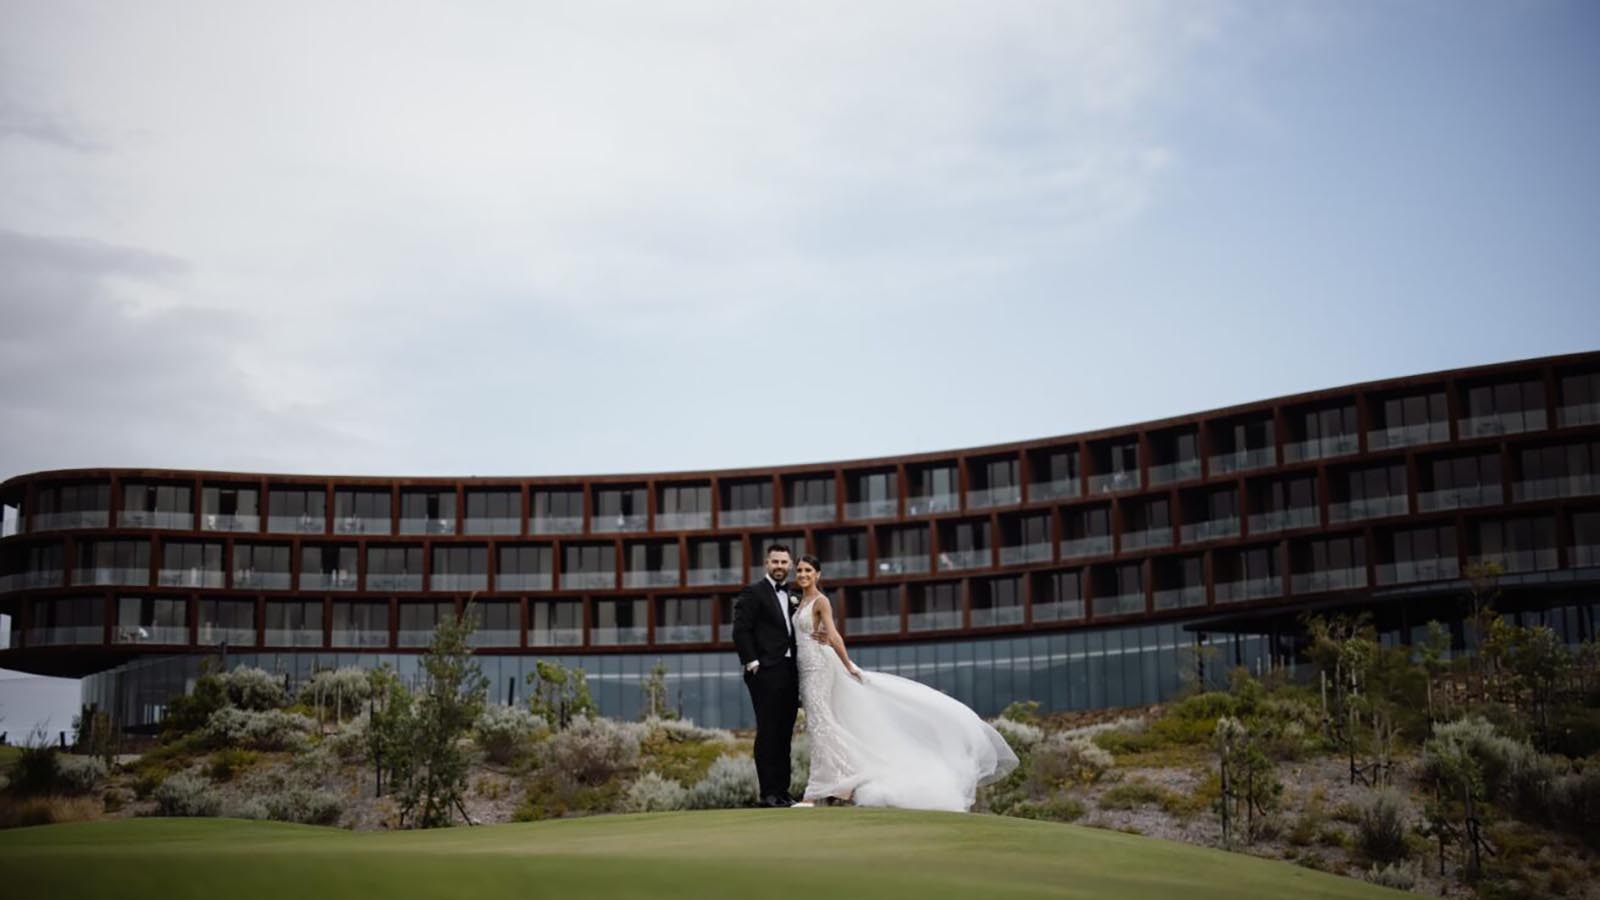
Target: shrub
1381 827
731 783
349 743
247 808
1056 808
271 729
186 795
1133 794
1024 711
252 688
35 770
1059 761
652 793
591 751
505 731
685 731
307 806
1574 731
1395 875
1020 735
20 812
336 692
230 761
79 774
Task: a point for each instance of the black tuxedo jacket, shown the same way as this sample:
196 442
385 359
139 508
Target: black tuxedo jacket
758 631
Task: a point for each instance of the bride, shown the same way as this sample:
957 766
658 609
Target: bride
879 739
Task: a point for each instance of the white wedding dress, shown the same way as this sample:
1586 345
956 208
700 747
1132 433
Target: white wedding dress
887 740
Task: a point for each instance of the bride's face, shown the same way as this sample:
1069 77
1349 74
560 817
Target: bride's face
805 575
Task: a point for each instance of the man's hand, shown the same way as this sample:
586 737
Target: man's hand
752 666
820 637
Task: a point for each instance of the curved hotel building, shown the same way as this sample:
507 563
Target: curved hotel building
1080 571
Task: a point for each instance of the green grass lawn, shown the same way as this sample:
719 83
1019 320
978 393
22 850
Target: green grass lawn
735 854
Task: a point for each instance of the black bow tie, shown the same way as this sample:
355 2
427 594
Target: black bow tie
778 587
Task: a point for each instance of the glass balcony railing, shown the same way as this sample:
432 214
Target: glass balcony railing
845 568
555 637
579 581
1212 530
427 526
28 581
932 503
683 634
362 525
413 637
340 580
1408 435
744 518
1321 448
216 635
1026 553
293 637
1118 605
934 621
1515 422
1521 560
800 515
1418 570
64 635
1560 486
306 524
615 524
1054 490
1578 414
111 575
88 518
495 637
492 525
1583 555
1459 498
1243 460
902 565
715 576
139 518
347 637
988 498
393 581
683 521
191 578
220 522
1328 580
604 635
1167 473
859 625
1149 537
650 579
151 634
1367 508
1248 589
1058 611
871 509
1098 545
1284 519
1112 482
1181 597
525 581
956 560
556 525
458 581
996 615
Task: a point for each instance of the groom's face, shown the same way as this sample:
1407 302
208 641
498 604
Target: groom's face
778 566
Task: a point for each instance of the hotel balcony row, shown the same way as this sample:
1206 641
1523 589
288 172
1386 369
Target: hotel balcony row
1528 399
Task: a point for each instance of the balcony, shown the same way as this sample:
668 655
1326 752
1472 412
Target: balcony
1113 482
1459 498
617 524
361 638
683 634
339 580
957 560
1578 414
1248 589
555 637
932 503
683 521
872 625
1502 423
1053 490
492 525
362 525
529 581
1443 569
994 616
389 581
580 581
427 526
651 579
1559 486
1366 508
1521 560
556 525
1244 460
495 637
611 635
715 576
801 515
88 518
302 524
1149 537
845 568
293 637
64 635
1283 520
459 581
1212 530
216 635
1328 580
1058 611
1026 553
1167 473
413 637
1099 545
151 634
179 521
1118 605
992 497
1408 435
872 509
1181 598
111 575
219 522
744 518
941 620
1321 448
902 565
1583 555
193 577
28 581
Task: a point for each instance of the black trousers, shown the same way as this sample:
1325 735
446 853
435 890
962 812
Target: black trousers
775 693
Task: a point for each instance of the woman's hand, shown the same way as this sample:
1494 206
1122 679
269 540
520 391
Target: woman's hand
854 672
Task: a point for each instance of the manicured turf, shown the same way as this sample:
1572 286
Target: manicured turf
735 854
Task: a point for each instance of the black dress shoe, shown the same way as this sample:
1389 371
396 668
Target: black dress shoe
773 801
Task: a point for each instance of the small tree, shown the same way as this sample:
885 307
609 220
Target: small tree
1434 655
452 697
559 694
390 726
655 694
1250 787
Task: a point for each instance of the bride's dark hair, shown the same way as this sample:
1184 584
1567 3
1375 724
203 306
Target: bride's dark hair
815 563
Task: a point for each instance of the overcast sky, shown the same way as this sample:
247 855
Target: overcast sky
526 238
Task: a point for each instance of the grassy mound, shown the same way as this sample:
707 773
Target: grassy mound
739 854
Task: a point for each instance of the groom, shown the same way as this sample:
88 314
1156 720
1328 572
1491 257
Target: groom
763 633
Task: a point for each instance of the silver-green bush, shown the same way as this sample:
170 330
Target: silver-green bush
1381 827
591 751
271 729
652 793
252 688
504 731
730 783
187 795
307 806
79 774
336 692
1020 735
